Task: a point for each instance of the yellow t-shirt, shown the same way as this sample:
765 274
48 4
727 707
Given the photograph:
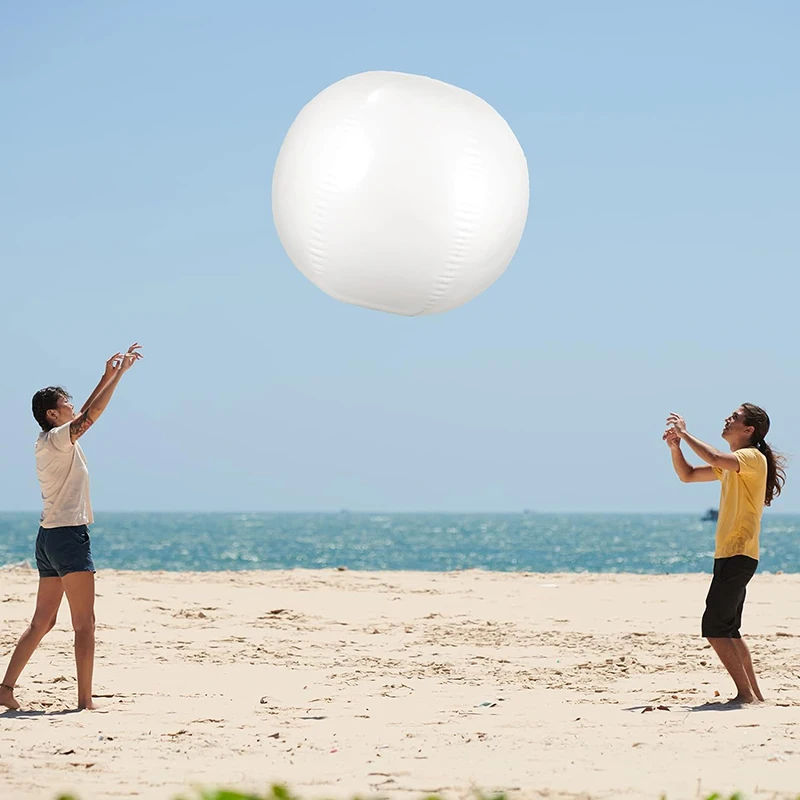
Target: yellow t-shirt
740 504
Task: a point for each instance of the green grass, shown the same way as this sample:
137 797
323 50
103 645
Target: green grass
279 792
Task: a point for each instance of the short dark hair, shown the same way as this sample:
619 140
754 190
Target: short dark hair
47 400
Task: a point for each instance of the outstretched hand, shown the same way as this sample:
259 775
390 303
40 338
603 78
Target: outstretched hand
112 364
676 423
123 361
672 439
131 357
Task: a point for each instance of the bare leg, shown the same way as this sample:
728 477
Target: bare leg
731 660
48 600
744 655
79 587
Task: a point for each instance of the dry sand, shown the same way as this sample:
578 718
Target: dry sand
399 684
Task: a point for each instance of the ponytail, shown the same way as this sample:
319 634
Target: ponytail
776 462
776 472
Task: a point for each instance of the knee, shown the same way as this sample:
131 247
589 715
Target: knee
83 625
42 625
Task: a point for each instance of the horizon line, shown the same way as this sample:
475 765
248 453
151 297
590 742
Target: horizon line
372 512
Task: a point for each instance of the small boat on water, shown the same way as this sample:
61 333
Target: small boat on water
711 515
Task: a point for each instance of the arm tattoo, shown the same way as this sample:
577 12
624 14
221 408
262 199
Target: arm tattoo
80 425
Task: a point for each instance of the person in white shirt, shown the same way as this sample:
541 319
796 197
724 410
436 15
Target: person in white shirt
63 550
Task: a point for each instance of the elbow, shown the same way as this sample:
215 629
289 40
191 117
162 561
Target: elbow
716 460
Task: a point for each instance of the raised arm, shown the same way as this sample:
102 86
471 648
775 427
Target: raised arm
685 471
116 367
108 374
709 454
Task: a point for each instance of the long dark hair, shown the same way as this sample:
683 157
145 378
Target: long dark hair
776 462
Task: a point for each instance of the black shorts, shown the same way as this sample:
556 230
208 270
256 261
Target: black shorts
725 600
60 551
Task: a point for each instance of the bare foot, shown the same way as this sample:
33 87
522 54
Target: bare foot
7 698
91 706
742 700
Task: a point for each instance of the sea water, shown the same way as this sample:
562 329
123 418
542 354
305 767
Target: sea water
529 542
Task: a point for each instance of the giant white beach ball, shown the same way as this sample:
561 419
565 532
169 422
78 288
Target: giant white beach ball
400 193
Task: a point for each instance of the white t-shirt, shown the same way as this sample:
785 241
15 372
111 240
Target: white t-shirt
64 478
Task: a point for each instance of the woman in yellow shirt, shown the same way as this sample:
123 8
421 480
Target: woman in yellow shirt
752 476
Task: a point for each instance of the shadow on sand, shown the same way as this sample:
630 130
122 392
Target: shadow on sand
22 714
720 705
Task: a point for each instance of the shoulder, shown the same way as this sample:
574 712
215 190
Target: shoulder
751 460
58 438
751 453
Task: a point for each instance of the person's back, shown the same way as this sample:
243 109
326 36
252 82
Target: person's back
741 505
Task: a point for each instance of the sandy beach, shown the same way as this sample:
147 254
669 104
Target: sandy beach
400 684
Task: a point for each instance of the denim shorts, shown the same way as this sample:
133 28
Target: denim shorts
60 551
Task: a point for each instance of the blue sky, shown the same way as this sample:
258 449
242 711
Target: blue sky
657 271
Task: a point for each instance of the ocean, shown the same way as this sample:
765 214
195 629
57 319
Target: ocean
529 542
